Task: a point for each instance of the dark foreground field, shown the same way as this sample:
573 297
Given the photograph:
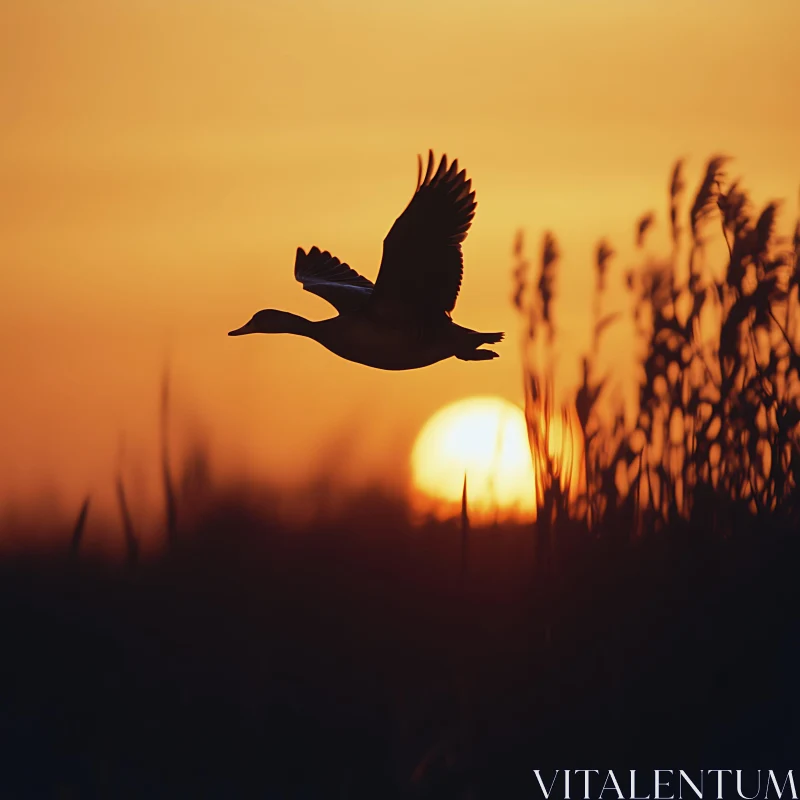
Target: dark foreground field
355 661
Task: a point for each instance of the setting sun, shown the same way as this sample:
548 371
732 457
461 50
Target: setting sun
486 438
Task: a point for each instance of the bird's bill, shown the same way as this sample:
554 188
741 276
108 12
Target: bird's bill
248 328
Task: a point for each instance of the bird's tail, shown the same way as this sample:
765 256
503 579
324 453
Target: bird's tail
476 340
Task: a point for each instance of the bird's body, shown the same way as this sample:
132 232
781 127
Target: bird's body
402 321
376 344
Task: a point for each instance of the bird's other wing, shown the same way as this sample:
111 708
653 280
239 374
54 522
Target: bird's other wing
326 276
422 263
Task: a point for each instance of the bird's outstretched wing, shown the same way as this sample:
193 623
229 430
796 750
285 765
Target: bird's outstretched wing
422 264
326 276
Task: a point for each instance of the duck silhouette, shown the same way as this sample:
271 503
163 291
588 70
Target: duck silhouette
402 321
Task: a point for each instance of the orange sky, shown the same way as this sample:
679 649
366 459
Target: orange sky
160 161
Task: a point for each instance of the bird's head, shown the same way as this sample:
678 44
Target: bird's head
269 320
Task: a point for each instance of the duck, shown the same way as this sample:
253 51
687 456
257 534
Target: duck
403 320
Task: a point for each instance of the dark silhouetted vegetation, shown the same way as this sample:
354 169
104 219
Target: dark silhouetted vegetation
359 658
716 442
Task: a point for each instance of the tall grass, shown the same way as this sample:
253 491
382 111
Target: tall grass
170 501
716 437
80 524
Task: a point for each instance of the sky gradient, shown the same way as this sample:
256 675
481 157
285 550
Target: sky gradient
160 162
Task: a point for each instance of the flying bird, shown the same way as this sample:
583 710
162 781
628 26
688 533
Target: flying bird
402 321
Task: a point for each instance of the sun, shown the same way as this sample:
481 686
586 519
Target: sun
486 438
